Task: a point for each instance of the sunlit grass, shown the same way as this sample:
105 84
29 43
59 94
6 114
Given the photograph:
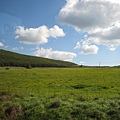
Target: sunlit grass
46 82
60 94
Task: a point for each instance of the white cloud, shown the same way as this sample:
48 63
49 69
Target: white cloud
86 48
6 46
109 36
38 35
56 32
112 47
81 62
90 14
78 45
17 48
58 55
1 44
89 49
100 18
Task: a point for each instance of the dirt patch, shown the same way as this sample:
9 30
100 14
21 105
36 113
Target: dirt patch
13 111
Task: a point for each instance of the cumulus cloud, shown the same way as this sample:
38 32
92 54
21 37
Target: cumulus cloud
58 55
86 48
56 32
1 44
107 36
38 35
89 49
90 14
99 18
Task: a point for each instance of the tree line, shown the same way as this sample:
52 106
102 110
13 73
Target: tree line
8 58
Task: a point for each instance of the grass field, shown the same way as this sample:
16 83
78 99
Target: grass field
60 93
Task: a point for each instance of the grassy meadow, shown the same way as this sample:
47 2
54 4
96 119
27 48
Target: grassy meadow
60 94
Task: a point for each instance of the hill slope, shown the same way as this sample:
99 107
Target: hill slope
8 58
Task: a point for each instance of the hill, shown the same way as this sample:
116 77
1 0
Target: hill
8 58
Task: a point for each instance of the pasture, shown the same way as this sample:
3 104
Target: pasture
60 93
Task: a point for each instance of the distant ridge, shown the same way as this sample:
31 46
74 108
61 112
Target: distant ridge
8 58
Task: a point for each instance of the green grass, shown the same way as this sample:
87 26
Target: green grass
70 82
60 93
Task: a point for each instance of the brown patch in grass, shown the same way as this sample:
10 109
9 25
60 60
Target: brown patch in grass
13 111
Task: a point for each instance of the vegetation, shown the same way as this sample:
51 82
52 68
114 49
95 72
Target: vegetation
60 94
8 58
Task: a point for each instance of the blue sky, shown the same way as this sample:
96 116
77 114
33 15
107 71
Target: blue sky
84 32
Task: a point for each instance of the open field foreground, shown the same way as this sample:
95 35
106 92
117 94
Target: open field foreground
60 94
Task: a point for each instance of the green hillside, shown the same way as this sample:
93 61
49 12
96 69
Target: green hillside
8 58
